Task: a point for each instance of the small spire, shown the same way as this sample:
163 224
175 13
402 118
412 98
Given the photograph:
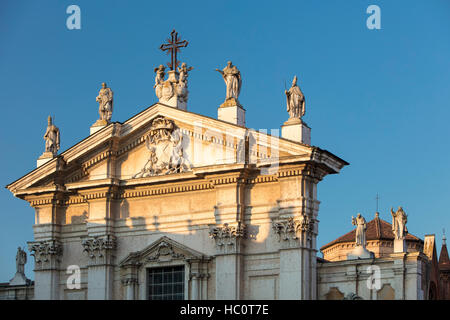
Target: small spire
377 215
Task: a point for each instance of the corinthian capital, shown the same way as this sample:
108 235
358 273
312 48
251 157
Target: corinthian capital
48 251
99 248
226 234
290 228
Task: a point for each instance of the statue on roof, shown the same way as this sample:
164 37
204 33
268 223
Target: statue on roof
232 77
21 259
399 219
159 80
295 101
361 227
105 100
51 137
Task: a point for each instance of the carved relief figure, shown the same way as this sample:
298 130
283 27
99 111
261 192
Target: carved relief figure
295 101
51 137
182 82
164 142
21 260
184 73
361 227
105 100
232 77
159 80
399 220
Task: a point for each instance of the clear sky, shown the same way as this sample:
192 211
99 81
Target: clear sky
379 99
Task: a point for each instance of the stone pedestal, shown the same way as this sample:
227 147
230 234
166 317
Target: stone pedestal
174 93
360 253
231 111
399 245
296 130
44 158
98 125
18 280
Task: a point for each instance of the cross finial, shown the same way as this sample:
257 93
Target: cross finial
377 198
173 47
444 238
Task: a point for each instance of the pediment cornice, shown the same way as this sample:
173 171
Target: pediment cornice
99 146
162 250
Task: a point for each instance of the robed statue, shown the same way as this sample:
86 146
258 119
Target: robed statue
21 259
232 77
295 101
399 220
361 227
51 137
105 100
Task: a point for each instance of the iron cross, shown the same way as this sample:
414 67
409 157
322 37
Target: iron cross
173 46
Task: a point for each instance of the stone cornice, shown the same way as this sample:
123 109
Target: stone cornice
120 130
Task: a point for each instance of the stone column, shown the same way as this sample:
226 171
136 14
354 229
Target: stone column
100 243
130 285
47 257
47 248
296 227
229 260
100 250
297 270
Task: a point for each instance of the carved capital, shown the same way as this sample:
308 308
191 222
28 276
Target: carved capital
291 228
46 253
228 236
99 248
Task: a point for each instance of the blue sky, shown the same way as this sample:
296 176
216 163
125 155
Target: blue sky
377 98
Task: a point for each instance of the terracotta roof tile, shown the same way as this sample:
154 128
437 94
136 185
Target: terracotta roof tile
377 229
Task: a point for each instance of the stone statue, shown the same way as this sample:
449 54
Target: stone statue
159 80
51 137
105 100
399 220
182 91
21 259
361 227
295 101
232 77
184 73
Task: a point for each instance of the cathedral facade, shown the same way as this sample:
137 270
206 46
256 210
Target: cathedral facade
171 204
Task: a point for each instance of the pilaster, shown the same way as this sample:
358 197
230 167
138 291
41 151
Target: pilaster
47 257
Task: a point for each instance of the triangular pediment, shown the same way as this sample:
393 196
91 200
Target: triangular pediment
162 250
205 142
